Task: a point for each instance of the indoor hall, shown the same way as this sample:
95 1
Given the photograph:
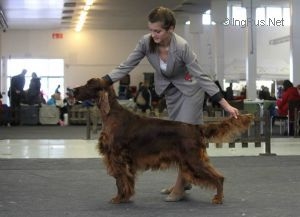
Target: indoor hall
50 165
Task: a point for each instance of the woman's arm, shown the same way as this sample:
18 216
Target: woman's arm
227 107
130 63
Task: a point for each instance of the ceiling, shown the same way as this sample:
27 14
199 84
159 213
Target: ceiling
104 14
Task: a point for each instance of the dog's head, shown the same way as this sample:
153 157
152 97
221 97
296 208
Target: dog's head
105 96
88 91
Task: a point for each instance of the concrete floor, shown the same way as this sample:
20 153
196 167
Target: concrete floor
81 148
67 178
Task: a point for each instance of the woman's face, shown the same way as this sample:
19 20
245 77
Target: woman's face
159 35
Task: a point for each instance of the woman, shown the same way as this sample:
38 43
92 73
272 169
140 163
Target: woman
298 89
178 77
289 93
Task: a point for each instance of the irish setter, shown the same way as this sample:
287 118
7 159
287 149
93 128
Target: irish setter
129 142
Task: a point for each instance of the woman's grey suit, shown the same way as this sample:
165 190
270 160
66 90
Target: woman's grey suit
183 83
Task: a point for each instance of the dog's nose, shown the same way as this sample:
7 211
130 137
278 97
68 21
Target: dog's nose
75 91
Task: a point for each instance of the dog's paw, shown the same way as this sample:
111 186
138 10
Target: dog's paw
117 200
217 199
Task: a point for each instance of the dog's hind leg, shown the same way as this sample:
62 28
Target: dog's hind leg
203 173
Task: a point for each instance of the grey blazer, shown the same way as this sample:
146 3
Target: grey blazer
183 70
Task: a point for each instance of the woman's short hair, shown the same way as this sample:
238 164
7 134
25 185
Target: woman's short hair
164 15
286 84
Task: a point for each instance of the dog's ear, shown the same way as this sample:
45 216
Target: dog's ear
105 103
97 83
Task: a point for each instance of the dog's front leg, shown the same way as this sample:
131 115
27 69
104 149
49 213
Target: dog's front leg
123 195
125 181
119 198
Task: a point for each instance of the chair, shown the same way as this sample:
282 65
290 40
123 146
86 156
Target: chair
292 119
124 88
297 123
294 108
283 122
252 106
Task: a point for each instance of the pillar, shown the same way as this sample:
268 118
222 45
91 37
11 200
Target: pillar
195 32
251 55
218 15
295 42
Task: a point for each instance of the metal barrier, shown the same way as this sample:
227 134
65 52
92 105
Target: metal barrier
85 116
259 132
88 124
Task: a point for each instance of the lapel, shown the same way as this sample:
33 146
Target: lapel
171 56
156 62
154 58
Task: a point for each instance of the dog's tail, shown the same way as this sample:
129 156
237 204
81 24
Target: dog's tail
228 129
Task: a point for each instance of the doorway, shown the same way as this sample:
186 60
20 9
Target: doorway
51 72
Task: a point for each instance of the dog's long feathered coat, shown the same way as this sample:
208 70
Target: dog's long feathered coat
129 142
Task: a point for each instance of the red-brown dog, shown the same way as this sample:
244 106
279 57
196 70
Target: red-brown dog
130 143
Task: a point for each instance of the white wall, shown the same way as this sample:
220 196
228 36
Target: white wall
94 53
87 54
272 60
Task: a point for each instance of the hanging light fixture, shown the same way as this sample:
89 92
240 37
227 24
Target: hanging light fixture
3 22
83 15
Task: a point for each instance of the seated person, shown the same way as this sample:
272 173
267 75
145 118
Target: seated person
1 100
67 103
5 115
265 94
52 100
298 88
143 98
289 93
229 93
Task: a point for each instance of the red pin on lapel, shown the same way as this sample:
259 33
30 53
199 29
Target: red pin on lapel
188 76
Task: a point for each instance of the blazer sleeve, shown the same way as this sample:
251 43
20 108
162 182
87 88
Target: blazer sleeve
130 63
194 68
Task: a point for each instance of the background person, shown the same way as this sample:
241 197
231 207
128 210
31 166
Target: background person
143 97
289 93
33 93
298 89
15 94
